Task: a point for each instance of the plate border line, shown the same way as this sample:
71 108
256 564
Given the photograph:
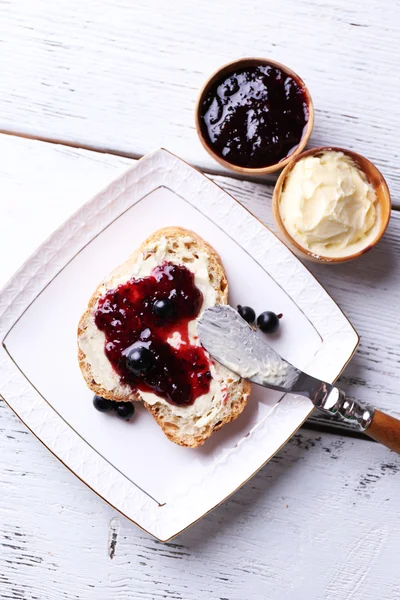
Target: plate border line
87 243
160 504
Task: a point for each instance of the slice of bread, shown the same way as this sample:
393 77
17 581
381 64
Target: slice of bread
189 425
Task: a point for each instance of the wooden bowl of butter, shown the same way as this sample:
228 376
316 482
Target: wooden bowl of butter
331 205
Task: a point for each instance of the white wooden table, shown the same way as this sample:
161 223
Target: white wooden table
321 520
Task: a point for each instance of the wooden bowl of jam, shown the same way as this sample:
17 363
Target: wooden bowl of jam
254 115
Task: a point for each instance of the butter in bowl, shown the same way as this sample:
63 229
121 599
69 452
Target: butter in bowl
331 205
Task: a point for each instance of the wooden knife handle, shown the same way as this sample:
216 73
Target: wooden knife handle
385 430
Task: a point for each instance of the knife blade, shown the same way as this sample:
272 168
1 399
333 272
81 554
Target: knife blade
245 351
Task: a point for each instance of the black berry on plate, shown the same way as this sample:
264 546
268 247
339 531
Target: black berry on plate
102 404
139 360
247 313
268 322
124 410
163 308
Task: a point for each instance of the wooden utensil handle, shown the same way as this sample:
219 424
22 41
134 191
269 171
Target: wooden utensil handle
385 430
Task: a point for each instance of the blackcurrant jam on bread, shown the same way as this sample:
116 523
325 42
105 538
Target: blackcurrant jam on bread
138 337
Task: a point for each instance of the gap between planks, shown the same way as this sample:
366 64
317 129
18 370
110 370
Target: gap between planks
218 172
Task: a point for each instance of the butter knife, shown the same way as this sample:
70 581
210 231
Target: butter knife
245 351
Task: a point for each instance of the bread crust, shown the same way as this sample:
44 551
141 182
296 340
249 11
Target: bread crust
238 390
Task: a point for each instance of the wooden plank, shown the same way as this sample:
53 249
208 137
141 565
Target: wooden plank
318 522
124 76
56 180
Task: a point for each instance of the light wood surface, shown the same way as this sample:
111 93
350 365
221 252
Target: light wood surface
319 522
123 75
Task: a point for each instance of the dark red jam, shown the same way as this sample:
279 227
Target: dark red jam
127 315
254 117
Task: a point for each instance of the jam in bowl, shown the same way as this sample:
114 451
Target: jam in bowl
254 115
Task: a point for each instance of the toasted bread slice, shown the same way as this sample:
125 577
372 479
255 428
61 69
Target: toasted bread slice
185 425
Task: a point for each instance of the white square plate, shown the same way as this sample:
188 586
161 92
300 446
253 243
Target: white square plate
160 486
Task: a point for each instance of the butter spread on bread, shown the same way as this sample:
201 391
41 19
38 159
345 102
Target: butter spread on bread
185 424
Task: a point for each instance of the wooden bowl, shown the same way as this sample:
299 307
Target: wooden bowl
373 175
240 64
